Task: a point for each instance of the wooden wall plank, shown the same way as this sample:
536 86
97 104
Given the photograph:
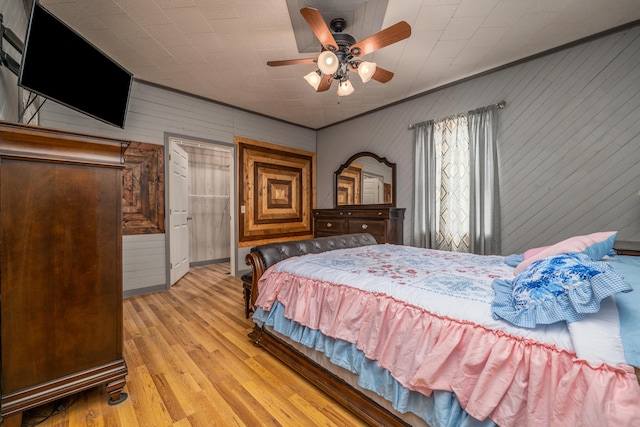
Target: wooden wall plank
154 111
568 141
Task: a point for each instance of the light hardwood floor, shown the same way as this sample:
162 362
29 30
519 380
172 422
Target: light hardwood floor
191 364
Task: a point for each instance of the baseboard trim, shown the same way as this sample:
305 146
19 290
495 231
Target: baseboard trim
207 262
142 291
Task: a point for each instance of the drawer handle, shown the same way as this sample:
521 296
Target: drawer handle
349 213
379 213
329 225
365 226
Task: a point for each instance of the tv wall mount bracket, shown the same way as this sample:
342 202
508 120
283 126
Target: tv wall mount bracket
5 58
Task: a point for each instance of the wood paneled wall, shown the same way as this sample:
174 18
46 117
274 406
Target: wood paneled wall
15 18
569 141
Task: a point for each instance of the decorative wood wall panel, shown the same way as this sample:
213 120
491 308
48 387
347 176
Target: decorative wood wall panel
276 192
388 193
143 189
350 185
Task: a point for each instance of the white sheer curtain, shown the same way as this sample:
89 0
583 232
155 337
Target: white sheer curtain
485 195
451 139
456 195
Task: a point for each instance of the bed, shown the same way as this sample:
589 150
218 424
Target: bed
407 336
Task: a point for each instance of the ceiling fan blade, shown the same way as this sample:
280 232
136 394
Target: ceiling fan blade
325 83
382 75
319 28
292 62
390 35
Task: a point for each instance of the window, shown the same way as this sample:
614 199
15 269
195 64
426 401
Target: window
456 192
451 139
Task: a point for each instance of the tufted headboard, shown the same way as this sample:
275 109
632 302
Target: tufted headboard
264 256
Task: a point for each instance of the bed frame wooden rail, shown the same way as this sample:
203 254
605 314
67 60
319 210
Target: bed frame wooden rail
260 259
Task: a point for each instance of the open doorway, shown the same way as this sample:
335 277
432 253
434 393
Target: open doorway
208 198
372 188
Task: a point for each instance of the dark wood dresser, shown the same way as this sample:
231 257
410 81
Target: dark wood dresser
60 267
384 223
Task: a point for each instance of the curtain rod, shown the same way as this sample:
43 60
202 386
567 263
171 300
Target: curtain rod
500 105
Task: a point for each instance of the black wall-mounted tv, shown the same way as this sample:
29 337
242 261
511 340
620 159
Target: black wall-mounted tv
61 65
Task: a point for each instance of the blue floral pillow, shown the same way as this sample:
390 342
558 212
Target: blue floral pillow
563 287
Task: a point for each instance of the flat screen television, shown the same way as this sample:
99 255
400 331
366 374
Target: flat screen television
61 65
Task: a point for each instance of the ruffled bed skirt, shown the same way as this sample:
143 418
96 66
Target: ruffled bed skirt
514 381
441 409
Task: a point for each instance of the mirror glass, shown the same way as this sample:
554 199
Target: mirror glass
365 179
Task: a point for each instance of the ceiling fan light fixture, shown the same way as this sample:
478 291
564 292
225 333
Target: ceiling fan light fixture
366 70
328 62
341 53
314 79
345 88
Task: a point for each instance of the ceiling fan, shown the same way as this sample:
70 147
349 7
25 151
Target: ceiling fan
341 53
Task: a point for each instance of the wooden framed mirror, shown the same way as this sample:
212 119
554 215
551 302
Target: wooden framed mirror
365 180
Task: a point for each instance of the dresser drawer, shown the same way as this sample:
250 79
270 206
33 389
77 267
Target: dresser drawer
384 223
366 226
335 225
367 213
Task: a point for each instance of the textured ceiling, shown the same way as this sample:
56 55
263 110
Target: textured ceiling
218 49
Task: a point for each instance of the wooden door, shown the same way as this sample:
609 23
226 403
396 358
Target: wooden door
178 211
371 190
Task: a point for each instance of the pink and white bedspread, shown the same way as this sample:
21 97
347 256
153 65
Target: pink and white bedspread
425 316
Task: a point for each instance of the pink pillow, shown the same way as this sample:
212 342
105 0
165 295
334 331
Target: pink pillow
596 245
533 252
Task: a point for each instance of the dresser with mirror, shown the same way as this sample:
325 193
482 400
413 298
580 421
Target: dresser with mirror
364 201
